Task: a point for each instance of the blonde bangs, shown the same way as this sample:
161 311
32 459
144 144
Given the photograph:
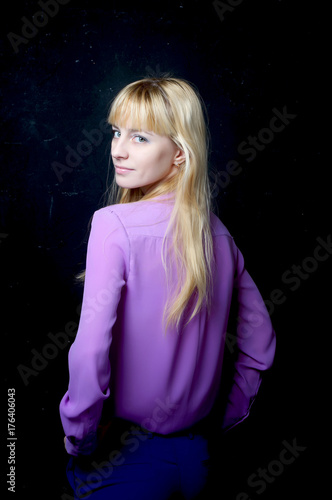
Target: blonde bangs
142 109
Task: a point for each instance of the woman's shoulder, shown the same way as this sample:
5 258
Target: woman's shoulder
138 216
118 209
134 213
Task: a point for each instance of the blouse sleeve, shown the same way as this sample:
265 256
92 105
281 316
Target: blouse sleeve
88 359
256 344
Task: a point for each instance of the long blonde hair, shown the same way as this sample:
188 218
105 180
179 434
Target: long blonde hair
173 107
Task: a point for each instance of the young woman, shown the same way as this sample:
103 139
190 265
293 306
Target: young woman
160 273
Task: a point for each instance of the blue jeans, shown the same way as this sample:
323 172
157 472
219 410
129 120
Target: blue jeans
133 464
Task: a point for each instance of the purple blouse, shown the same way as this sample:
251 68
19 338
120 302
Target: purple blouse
164 383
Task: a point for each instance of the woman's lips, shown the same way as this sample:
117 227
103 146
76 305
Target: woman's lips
122 170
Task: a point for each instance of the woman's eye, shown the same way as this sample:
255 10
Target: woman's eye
140 139
116 134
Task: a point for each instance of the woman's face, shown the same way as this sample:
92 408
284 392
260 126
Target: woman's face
148 158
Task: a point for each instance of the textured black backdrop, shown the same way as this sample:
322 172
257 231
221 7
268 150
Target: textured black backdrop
255 59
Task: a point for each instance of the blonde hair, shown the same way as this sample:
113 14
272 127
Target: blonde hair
173 107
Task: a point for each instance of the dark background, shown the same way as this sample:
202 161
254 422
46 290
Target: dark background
56 88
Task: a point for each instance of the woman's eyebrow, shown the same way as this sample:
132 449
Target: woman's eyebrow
144 131
133 130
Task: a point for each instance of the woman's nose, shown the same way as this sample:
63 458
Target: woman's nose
119 149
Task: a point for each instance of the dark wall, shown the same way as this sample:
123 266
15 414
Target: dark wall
252 61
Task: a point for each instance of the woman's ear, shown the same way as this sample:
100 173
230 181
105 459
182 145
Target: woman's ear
179 157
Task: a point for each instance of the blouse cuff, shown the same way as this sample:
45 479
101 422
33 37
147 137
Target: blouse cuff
85 446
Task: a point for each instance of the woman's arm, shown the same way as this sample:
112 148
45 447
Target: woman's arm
89 366
256 344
